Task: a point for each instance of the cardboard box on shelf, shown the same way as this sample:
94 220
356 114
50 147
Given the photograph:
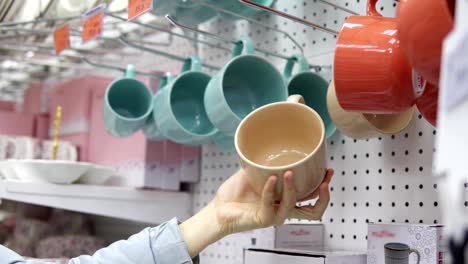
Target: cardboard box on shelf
81 141
74 96
7 106
427 240
191 159
41 130
36 99
16 124
289 256
291 236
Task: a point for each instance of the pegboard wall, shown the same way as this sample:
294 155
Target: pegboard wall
387 179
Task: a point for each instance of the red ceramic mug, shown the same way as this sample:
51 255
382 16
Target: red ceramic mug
371 72
428 102
422 27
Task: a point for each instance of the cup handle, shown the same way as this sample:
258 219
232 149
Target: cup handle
192 64
371 8
130 72
167 78
296 98
244 46
300 60
417 254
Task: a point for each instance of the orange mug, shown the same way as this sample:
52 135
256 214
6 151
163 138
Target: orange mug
422 26
371 72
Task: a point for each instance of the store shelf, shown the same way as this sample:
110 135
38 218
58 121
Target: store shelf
118 202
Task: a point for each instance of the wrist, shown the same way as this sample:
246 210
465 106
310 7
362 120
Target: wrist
201 230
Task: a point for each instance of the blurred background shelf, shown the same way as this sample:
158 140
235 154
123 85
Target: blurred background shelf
118 202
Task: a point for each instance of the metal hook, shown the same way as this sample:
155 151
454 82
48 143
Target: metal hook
161 53
176 23
286 15
339 7
169 32
222 10
110 67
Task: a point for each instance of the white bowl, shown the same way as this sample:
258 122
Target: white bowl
96 175
48 171
6 171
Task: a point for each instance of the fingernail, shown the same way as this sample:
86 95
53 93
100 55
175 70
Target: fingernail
287 178
274 179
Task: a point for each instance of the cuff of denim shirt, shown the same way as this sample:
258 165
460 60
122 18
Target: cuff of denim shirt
168 246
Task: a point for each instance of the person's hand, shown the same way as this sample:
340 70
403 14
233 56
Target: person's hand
239 208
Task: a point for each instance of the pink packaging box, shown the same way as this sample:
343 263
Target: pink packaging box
41 130
36 99
16 124
81 141
74 96
191 159
7 106
141 163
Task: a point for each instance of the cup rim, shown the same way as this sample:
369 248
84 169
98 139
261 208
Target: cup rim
223 72
390 246
142 117
171 112
284 167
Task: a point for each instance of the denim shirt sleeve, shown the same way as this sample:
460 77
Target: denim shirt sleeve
158 245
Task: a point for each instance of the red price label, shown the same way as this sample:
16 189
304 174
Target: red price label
62 38
92 27
137 8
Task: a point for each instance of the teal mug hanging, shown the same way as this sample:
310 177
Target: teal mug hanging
179 111
127 105
245 83
311 86
190 13
151 129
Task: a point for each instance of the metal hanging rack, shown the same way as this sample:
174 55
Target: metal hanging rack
339 7
115 68
168 31
161 53
215 36
47 19
286 15
222 10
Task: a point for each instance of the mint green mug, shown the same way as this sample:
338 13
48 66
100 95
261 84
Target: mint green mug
245 83
312 87
224 142
163 7
179 111
127 104
190 13
151 129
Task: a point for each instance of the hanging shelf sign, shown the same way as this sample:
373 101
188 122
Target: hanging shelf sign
62 38
92 25
137 8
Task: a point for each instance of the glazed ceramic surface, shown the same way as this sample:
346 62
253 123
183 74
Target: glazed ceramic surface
371 73
279 137
422 27
364 126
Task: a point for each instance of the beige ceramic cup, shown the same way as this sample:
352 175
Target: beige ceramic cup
363 126
279 137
